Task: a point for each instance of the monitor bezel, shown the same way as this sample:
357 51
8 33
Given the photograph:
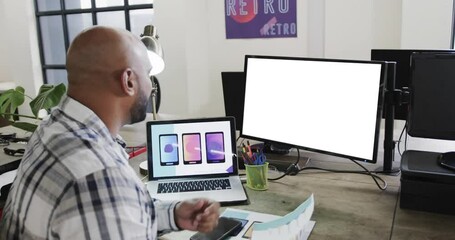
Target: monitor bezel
378 111
230 79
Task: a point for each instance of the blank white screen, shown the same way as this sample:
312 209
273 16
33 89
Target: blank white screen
322 105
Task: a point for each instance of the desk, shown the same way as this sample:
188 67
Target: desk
347 206
4 159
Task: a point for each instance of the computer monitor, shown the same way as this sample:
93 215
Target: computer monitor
402 57
234 94
322 105
432 105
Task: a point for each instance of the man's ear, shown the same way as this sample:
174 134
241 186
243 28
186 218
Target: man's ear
128 82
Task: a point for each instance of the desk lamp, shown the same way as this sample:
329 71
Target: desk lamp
155 54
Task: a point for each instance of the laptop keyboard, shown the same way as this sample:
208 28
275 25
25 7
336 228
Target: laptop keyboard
194 185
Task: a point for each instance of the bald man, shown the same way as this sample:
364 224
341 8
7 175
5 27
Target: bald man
74 181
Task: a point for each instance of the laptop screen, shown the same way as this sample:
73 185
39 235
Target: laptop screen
191 147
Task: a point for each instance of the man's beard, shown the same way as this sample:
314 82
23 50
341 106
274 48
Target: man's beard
139 109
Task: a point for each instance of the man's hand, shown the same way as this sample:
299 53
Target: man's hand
197 215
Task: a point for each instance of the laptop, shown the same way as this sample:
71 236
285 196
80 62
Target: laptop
194 158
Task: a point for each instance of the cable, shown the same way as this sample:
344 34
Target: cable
369 173
373 176
399 139
294 168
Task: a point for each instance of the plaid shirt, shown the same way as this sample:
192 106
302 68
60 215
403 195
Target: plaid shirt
74 182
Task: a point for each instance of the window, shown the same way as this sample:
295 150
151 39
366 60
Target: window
59 21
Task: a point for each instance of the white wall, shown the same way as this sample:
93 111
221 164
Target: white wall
197 51
426 24
354 27
208 52
330 28
386 22
348 29
4 64
19 58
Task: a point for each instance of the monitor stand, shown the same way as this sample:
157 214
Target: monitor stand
447 160
392 97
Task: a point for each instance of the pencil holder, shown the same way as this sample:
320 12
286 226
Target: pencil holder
256 176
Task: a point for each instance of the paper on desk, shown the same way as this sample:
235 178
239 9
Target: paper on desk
294 225
298 221
7 178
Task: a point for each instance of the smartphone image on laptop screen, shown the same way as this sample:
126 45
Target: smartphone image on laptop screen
215 147
169 153
192 153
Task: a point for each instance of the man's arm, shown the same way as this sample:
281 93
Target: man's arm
197 215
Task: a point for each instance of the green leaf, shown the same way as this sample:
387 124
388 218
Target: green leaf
10 100
48 97
30 127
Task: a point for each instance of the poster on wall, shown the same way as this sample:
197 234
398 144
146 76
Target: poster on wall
260 19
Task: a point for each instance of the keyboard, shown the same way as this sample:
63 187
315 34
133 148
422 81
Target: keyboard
194 185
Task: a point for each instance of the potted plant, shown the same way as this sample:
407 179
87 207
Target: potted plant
48 96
